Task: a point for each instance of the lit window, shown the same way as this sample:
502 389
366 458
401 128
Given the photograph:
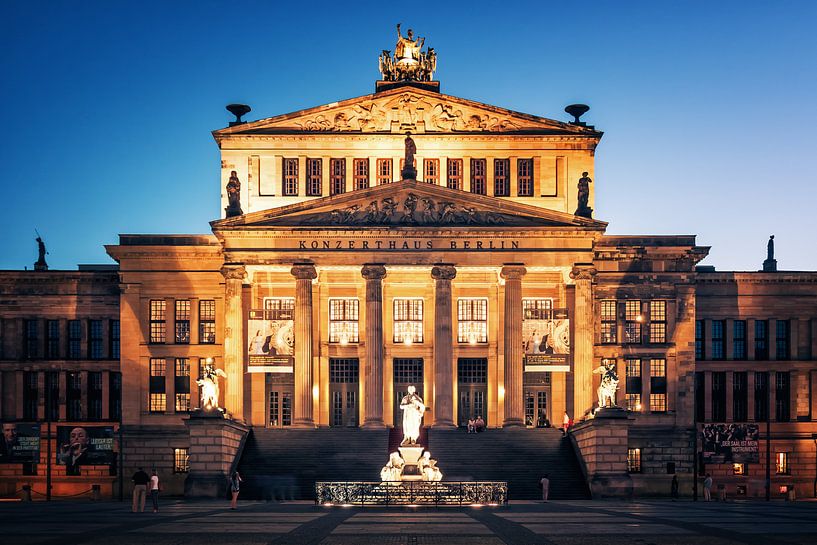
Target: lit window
658 321
782 463
658 367
337 176
454 179
158 399
431 171
183 321
181 460
182 384
524 175
384 171
634 460
361 168
502 177
633 402
344 315
158 326
472 320
632 322
609 324
408 320
739 469
478 176
290 180
314 177
207 321
633 384
658 403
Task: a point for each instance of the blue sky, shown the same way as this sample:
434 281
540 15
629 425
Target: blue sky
708 108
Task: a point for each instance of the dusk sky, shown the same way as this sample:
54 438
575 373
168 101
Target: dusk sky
708 108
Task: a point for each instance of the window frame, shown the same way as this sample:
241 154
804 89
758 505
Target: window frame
182 312
337 176
431 171
454 174
344 320
404 319
289 178
502 177
472 330
479 176
158 321
385 170
314 177
360 168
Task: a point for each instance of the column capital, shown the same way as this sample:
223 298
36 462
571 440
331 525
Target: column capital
234 271
373 271
443 271
513 271
583 271
304 271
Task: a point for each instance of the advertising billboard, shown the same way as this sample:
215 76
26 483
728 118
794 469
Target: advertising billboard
546 340
20 443
729 443
271 341
79 446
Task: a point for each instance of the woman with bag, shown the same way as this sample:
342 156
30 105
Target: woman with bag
235 485
154 490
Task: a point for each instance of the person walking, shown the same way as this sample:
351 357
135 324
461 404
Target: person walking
673 487
154 490
565 424
544 482
235 485
140 484
708 487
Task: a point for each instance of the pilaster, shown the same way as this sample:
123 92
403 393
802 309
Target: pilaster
234 275
304 274
443 403
373 402
582 274
514 407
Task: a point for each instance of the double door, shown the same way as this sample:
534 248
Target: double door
344 383
279 400
536 408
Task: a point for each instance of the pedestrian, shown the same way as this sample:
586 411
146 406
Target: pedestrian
472 427
565 424
235 485
673 488
544 482
708 487
140 484
154 490
479 424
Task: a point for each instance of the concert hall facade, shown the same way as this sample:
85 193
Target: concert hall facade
338 276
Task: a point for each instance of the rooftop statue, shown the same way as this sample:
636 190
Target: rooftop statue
409 61
40 265
233 196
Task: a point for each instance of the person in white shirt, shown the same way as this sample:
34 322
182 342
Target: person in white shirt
545 484
154 490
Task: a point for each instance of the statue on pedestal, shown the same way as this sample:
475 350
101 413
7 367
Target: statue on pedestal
393 468
409 172
233 196
408 62
584 196
40 265
609 384
209 387
428 468
770 264
413 408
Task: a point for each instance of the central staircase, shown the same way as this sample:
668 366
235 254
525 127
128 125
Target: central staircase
285 464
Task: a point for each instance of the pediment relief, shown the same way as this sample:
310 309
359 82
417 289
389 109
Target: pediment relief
405 110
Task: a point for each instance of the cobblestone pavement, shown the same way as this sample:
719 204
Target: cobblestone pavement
297 523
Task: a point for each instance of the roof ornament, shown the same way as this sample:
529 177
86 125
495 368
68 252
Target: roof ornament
409 62
770 264
40 264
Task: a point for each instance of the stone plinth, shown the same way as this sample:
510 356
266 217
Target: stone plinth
602 444
214 445
411 455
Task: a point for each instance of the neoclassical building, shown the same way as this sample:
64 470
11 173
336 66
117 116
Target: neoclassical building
339 274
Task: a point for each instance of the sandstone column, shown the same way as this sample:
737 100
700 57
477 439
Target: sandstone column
582 274
304 273
514 409
443 402
234 274
373 404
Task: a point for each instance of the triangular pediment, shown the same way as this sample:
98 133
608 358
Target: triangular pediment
405 109
407 204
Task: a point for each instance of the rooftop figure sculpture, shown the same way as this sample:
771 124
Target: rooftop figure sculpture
233 196
40 265
409 61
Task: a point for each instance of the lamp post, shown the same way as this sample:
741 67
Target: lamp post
768 437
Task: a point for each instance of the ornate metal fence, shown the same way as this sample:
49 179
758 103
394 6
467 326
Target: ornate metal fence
412 493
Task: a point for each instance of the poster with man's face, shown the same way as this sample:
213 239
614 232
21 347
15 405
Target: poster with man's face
79 446
20 443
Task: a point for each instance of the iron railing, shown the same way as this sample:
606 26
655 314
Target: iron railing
411 493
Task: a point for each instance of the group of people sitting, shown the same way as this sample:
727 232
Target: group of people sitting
476 425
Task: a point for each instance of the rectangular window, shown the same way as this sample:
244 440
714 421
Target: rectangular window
632 322
781 463
182 321
337 176
633 384
431 171
740 399
472 320
408 371
761 396
384 171
524 175
658 403
290 180
502 177
699 339
53 340
95 395
633 402
344 370
782 334
114 339
658 321
73 396
115 396
207 321
31 395
634 460
181 381
478 176
314 177
181 460
738 469
52 393
739 340
158 326
658 368
454 174
361 168
700 396
718 396
344 316
158 399
408 321
472 370
761 340
782 396
718 352
32 341
658 385
609 324
95 339
74 339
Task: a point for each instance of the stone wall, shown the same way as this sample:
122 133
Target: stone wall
214 445
602 444
662 447
152 447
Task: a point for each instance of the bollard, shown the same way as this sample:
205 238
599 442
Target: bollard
26 492
96 493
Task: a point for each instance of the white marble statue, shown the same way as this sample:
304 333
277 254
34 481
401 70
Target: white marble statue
608 385
413 408
393 469
209 387
428 468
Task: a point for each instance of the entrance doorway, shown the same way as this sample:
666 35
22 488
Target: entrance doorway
407 372
472 385
279 400
537 394
343 392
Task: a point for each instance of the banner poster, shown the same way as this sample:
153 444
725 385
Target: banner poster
271 341
546 340
730 443
20 443
79 446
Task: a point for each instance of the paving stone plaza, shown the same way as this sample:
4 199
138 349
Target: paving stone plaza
302 523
